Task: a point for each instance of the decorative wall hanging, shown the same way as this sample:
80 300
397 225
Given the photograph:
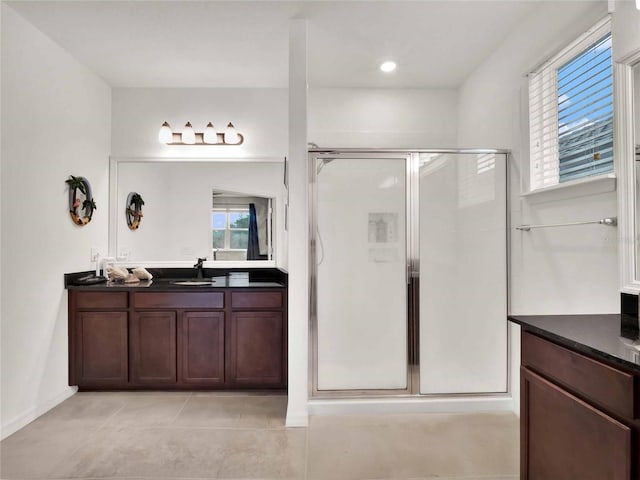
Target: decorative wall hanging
80 187
134 210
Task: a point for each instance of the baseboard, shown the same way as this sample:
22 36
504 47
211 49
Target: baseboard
297 419
33 413
411 405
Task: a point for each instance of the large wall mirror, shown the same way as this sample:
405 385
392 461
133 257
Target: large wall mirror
627 148
230 212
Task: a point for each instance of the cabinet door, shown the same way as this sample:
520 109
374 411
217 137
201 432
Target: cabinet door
102 351
203 348
153 348
563 437
255 354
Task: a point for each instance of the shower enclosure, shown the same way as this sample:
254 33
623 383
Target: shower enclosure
408 272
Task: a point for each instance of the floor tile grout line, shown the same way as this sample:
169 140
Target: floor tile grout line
196 427
108 419
184 404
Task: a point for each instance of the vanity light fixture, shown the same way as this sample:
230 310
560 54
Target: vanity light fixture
165 135
231 135
209 137
638 4
188 134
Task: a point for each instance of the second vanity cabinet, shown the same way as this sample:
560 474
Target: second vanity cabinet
578 415
227 338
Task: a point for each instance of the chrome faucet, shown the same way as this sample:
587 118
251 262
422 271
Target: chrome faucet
200 267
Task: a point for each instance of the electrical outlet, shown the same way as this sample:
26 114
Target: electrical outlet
94 254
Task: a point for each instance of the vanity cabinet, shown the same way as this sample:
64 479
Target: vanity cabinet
153 348
98 340
178 340
202 348
256 347
101 348
578 415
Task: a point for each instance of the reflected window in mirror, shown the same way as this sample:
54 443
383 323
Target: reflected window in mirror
241 227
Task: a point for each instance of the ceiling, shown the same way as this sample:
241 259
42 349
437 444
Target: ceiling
226 44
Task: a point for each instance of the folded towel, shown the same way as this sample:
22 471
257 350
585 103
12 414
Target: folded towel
142 273
117 273
131 278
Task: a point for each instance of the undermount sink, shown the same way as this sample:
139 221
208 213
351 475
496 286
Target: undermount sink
194 283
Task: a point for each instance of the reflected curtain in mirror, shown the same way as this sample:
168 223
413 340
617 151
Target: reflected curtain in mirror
253 243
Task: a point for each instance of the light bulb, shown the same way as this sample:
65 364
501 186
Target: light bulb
210 135
230 135
165 135
188 135
638 4
388 67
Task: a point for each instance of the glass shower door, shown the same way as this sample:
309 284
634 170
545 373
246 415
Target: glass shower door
463 273
360 267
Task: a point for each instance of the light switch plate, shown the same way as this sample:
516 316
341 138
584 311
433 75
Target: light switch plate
94 254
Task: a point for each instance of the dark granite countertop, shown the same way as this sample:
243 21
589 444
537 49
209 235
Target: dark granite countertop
613 338
167 285
164 280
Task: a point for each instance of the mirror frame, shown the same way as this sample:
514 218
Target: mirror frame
624 148
114 213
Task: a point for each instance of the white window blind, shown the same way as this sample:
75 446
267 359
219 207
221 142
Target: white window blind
571 112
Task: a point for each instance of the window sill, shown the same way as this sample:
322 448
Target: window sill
578 188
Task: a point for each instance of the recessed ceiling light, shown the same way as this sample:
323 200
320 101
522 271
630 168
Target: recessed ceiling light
388 66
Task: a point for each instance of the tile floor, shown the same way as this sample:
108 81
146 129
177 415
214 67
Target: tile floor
242 436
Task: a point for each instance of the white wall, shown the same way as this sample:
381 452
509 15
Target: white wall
298 309
260 114
55 122
570 270
177 212
383 118
626 29
636 106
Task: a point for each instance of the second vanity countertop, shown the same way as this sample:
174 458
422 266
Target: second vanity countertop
613 338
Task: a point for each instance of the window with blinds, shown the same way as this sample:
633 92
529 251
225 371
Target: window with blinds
571 112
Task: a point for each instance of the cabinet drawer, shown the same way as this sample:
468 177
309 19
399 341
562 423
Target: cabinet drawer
178 300
91 300
605 385
256 299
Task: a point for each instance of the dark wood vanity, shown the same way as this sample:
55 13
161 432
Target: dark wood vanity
580 400
223 338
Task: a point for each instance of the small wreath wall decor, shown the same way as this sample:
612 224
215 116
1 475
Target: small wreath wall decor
80 199
134 210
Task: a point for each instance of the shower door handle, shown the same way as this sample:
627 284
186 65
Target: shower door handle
411 273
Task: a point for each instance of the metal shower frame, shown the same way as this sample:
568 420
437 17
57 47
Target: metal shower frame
411 158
